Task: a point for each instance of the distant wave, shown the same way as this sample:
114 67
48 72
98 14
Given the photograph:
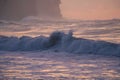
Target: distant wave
59 41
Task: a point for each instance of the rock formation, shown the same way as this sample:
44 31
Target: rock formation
18 9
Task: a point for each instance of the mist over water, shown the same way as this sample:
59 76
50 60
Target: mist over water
44 17
107 30
18 9
36 43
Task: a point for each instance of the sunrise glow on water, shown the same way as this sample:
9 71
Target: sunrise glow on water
44 66
59 40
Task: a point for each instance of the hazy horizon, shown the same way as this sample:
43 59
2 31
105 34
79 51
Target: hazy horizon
90 9
68 9
59 40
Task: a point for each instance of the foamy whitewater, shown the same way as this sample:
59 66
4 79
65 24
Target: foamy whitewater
36 49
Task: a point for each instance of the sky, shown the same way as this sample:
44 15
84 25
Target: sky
90 9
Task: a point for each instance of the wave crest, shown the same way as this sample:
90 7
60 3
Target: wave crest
61 42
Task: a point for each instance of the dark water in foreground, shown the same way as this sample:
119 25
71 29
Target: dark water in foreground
50 65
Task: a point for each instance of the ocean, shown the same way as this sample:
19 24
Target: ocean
34 49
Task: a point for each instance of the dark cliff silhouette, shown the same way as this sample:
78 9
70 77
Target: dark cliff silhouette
18 9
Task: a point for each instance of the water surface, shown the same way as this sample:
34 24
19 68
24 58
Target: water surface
49 65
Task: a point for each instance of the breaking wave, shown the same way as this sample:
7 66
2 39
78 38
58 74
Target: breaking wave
59 41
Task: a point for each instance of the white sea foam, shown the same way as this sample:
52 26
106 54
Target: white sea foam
59 41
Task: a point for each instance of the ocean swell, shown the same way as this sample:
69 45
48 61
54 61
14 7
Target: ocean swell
59 41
